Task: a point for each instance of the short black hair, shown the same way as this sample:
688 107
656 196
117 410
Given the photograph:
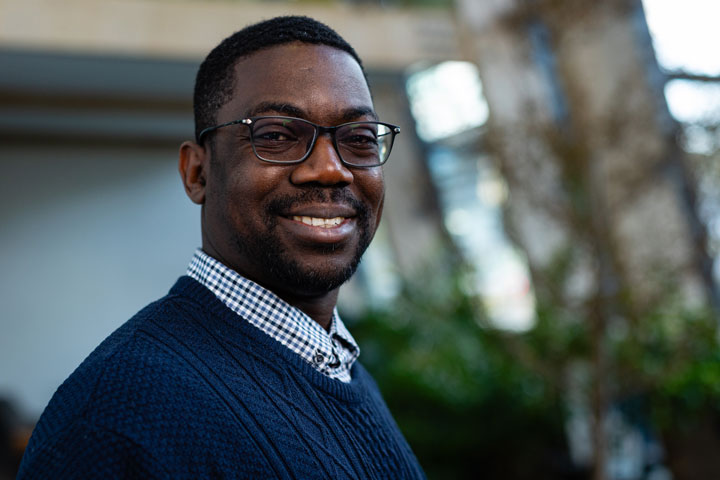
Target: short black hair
215 77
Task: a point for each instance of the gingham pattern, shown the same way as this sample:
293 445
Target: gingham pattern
331 353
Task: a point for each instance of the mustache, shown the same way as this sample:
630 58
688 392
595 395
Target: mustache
281 204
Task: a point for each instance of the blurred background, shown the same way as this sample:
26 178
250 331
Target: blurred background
541 300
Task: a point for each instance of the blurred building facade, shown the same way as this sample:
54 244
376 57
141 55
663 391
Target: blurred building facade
602 199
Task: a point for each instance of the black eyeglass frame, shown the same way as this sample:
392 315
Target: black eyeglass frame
319 129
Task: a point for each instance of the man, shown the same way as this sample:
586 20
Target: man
245 370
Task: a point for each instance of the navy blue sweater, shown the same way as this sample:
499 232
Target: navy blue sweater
187 389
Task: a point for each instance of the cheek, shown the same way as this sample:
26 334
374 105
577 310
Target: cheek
380 210
251 189
224 197
373 187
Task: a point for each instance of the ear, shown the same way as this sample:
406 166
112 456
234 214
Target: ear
192 165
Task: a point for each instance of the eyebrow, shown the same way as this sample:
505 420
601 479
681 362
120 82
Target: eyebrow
347 115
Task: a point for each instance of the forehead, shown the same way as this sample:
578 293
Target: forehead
322 83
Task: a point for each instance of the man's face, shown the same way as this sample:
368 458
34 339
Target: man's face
256 214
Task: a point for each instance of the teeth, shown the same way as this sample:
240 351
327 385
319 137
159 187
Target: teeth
319 222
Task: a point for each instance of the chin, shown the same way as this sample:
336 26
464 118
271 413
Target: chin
313 280
282 266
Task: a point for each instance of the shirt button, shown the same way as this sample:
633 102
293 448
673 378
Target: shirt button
318 358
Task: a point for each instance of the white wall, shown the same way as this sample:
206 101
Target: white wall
88 236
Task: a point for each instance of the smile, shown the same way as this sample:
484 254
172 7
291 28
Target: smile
319 222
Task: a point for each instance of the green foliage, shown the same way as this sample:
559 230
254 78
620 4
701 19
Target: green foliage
464 403
469 398
677 360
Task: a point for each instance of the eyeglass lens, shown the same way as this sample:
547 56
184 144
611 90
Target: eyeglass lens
290 139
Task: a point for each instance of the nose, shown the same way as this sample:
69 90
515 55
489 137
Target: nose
323 166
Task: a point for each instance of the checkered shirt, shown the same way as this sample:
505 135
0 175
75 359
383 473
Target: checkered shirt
331 353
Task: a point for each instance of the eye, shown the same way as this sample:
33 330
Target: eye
360 136
274 133
281 132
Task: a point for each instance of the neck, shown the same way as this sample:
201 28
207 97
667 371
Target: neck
319 308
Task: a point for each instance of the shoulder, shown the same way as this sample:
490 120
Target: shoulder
145 393
121 369
84 450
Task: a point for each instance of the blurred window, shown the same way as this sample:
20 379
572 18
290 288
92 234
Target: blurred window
685 37
450 112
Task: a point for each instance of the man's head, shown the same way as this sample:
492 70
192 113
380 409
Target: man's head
298 229
215 77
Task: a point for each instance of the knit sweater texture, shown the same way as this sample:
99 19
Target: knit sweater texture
187 389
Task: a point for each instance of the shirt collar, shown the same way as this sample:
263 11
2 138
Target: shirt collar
331 352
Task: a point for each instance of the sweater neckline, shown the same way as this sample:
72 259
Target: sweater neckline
229 325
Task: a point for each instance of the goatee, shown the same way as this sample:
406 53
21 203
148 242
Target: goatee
314 279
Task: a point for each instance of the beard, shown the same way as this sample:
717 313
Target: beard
285 268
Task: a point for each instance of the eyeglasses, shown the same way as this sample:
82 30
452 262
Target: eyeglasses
290 140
